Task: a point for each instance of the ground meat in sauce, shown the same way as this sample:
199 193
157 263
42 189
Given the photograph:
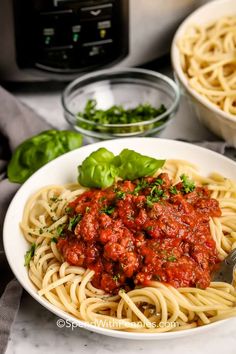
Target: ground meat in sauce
143 230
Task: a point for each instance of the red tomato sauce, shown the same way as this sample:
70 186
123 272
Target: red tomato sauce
139 231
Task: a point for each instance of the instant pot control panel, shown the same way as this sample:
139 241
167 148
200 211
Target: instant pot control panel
66 36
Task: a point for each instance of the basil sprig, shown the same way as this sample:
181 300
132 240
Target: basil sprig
38 150
101 168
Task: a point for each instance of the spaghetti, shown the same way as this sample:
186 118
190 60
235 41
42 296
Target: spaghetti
156 307
208 58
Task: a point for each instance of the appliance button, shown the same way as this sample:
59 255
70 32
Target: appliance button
96 31
97 52
93 12
56 57
104 24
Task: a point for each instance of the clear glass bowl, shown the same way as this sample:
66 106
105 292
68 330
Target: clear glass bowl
126 87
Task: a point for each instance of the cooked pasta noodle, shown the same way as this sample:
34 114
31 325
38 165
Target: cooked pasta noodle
155 308
208 58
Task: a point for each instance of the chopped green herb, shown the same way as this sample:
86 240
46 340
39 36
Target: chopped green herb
171 258
108 210
155 196
54 239
149 228
55 199
60 229
74 221
150 200
69 210
188 185
102 199
116 277
156 192
29 254
118 114
159 181
141 185
120 195
173 190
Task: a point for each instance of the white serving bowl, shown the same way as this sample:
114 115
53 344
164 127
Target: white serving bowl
219 122
63 170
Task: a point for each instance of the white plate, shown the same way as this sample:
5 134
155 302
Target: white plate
64 170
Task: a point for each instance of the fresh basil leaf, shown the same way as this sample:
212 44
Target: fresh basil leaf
101 168
97 170
39 150
132 165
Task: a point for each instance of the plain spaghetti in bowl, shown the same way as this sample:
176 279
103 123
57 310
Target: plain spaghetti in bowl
204 60
208 58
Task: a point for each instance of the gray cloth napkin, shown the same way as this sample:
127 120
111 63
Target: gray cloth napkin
9 305
17 123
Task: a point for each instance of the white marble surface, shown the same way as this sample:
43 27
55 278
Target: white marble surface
35 330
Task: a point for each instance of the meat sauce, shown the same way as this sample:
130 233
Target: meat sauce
139 231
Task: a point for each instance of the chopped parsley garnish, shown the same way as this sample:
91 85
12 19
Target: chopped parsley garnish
55 199
108 210
116 277
60 230
69 210
173 190
150 200
74 221
157 192
102 199
158 181
149 228
155 196
29 254
188 185
54 239
141 185
120 195
118 114
171 258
